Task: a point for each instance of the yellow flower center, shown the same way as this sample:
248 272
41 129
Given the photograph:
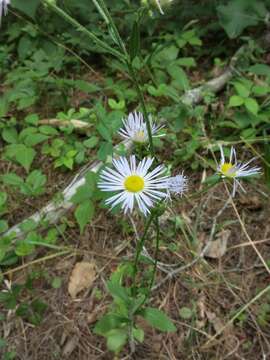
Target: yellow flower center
134 183
228 169
139 136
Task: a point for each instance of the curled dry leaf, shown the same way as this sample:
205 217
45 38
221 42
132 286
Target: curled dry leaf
82 277
217 248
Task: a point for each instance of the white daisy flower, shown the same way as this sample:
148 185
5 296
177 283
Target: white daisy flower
3 8
135 129
177 185
134 183
232 169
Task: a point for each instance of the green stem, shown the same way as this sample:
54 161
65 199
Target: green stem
156 257
103 10
138 253
101 6
82 29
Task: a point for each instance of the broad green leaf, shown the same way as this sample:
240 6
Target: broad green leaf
26 157
236 100
259 90
92 142
116 339
116 105
252 105
23 248
236 15
186 61
3 226
260 69
104 151
82 193
3 198
158 319
109 322
12 179
104 132
87 87
138 334
180 77
34 139
242 90
48 130
118 291
28 7
84 214
10 135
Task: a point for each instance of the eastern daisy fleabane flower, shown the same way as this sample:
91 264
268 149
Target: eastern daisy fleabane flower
135 129
134 183
3 8
177 185
233 169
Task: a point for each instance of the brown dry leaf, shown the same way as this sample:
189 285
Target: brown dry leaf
215 321
218 247
82 277
252 202
70 346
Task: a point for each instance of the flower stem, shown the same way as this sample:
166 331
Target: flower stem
82 29
156 255
138 253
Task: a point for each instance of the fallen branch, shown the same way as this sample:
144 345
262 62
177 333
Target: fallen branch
194 96
77 124
53 211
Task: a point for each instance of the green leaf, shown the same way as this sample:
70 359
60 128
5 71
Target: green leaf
3 226
185 313
109 322
12 179
158 319
29 8
104 151
241 89
3 198
84 214
92 142
85 86
82 193
187 62
235 16
22 154
236 100
118 291
104 132
260 69
116 339
252 105
10 135
179 75
34 139
26 157
259 90
138 334
23 248
35 181
116 105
